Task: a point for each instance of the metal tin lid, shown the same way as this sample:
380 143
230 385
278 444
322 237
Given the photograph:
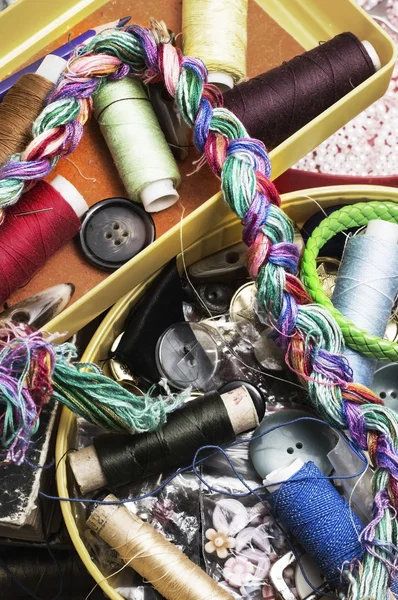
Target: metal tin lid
114 231
306 439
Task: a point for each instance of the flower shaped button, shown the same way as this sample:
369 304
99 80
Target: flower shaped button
219 541
238 571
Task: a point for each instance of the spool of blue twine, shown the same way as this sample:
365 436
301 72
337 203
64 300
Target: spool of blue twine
320 519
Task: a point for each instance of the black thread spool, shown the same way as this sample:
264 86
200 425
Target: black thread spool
276 104
212 419
24 570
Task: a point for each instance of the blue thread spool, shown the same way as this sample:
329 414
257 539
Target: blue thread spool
366 286
319 518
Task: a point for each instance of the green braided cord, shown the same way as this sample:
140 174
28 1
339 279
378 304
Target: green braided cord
352 215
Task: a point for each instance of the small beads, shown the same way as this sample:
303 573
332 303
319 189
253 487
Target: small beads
366 146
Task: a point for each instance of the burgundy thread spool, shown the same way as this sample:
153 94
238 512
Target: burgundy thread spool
46 218
276 104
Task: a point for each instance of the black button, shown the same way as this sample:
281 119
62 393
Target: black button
114 231
216 296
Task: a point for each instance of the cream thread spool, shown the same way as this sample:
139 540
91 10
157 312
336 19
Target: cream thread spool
146 551
216 32
137 144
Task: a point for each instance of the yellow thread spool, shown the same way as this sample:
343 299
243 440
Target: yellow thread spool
216 32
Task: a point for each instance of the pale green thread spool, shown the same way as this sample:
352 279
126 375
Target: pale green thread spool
137 144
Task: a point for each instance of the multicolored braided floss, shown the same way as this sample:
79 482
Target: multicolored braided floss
35 370
311 337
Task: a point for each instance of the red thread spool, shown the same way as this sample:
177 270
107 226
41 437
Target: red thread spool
28 238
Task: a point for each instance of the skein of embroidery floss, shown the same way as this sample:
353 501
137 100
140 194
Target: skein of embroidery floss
276 104
137 144
216 32
366 286
156 559
45 219
208 420
317 515
23 103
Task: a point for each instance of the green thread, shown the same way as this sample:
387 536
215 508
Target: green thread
133 135
85 390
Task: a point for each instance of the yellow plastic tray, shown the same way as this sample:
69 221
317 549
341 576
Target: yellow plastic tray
29 25
298 205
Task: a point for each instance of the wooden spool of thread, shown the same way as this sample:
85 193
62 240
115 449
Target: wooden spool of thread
45 219
137 144
216 32
274 105
157 560
212 419
23 103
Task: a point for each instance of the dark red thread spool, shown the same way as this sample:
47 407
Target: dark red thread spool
31 233
276 104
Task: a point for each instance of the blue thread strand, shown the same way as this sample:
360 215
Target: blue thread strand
197 461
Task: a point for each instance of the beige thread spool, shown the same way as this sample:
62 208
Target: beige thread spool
146 551
216 32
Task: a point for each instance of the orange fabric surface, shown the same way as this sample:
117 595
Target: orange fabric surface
91 168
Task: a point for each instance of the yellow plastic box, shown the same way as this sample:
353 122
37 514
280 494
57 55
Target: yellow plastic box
298 205
29 25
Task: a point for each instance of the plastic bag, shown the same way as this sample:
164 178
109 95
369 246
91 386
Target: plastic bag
241 347
240 538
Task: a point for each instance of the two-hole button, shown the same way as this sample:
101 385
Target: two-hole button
290 434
